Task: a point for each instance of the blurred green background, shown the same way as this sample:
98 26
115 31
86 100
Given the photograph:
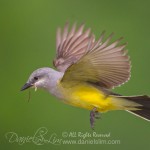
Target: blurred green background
27 42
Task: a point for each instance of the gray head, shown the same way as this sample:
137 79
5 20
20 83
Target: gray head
41 78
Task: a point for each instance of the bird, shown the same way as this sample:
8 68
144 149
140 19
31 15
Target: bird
86 72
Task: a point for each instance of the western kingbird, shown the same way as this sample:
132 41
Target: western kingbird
87 71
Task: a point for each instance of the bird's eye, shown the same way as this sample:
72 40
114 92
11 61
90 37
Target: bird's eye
35 78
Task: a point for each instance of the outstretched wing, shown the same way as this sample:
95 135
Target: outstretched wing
71 45
104 64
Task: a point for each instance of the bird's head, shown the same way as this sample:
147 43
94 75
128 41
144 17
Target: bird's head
39 78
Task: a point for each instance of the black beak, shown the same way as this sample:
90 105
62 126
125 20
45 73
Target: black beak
26 86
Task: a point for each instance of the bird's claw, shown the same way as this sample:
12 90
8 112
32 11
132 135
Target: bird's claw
94 114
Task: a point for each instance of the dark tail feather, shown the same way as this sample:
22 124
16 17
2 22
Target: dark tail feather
144 111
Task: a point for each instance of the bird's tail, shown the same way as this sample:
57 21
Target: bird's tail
144 108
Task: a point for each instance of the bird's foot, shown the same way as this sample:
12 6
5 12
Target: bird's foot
94 114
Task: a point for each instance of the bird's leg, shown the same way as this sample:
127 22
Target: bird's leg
94 114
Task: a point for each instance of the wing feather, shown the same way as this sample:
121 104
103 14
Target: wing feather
104 64
71 45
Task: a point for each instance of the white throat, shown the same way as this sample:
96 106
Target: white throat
51 83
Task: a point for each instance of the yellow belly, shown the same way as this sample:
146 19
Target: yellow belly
88 97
